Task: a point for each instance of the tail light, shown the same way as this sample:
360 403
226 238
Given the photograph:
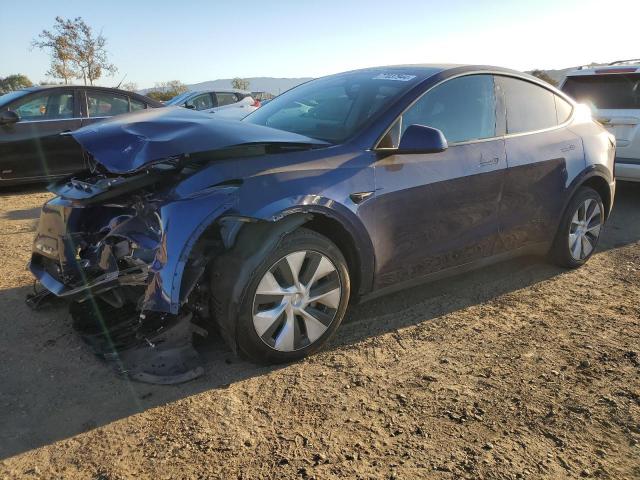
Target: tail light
256 103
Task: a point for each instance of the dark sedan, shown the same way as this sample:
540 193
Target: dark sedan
344 188
32 121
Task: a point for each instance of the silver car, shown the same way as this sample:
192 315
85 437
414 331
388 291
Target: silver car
229 104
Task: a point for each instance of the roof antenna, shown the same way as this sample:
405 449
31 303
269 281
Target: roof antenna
125 76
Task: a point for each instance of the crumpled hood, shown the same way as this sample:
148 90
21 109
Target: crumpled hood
128 142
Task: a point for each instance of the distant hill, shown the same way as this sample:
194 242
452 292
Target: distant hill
276 85
272 85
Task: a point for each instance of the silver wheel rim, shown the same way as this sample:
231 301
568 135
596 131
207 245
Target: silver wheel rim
585 229
296 300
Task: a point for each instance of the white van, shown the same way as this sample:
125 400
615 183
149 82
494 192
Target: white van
613 93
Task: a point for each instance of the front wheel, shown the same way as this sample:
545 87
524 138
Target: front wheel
295 299
579 229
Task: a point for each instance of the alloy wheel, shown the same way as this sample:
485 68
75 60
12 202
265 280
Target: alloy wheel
585 229
296 300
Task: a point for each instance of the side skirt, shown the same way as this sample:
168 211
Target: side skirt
536 249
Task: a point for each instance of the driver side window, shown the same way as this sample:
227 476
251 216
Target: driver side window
464 109
200 102
45 106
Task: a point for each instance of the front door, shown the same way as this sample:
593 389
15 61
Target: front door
440 210
34 147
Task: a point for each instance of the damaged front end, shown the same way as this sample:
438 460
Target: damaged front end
114 246
129 243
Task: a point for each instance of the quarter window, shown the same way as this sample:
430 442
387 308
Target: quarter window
529 106
101 104
45 106
463 108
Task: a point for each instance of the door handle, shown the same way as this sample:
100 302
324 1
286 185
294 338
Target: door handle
491 161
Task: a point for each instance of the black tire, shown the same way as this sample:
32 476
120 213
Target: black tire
560 252
248 339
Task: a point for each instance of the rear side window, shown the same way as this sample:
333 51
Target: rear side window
529 106
463 108
101 104
619 91
225 98
137 104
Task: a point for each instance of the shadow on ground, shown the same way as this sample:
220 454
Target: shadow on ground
52 387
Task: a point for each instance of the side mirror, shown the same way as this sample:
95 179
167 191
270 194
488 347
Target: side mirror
189 106
422 139
8 117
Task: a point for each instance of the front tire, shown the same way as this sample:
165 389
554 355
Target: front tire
295 299
580 229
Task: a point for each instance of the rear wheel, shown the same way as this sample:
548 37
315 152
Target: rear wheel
579 230
295 300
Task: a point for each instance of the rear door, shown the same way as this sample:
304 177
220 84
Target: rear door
101 104
615 97
33 147
440 210
542 155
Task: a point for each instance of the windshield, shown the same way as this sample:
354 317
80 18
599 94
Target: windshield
7 98
616 91
178 98
333 108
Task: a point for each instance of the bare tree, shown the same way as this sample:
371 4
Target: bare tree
240 83
91 54
75 51
59 41
129 87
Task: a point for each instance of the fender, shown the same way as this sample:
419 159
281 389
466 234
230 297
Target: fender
183 221
591 171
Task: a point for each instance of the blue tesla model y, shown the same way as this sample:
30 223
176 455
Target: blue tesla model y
341 189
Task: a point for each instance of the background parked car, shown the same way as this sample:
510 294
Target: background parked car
31 121
231 104
613 93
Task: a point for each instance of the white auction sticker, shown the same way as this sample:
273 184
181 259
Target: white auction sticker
399 77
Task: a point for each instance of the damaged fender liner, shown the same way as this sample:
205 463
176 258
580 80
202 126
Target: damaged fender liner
231 270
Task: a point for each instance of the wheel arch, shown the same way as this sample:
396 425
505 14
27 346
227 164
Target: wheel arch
600 185
596 177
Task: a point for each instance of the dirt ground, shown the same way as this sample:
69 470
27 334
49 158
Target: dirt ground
520 370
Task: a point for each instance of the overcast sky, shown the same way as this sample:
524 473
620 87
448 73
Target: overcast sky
194 41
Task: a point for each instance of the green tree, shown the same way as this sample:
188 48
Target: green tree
164 91
240 83
542 75
14 82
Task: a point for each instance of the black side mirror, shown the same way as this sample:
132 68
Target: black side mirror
8 117
422 139
189 106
